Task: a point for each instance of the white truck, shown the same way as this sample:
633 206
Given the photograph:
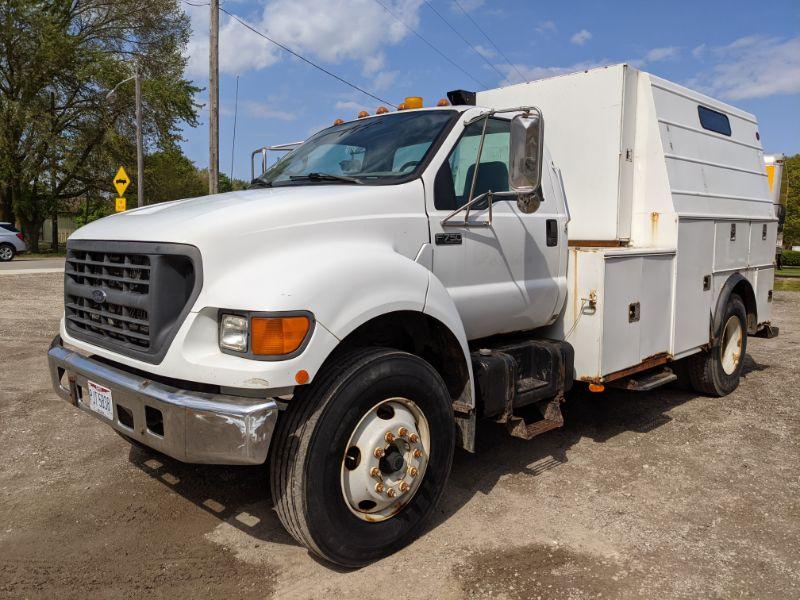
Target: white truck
396 278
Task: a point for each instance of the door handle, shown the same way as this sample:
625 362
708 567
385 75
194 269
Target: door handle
551 226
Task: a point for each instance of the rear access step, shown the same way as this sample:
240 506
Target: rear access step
644 381
522 383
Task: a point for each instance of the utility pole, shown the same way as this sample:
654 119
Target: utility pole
213 84
139 143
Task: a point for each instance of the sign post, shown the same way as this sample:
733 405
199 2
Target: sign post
121 183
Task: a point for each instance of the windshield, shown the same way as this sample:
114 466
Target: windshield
386 149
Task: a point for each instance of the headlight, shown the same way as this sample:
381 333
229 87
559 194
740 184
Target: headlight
265 336
233 333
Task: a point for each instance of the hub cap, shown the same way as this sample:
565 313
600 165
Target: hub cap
732 337
385 459
5 253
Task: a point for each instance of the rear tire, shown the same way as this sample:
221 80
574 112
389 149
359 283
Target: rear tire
7 252
313 452
716 372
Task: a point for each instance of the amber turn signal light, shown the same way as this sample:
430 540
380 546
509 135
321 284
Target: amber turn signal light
277 336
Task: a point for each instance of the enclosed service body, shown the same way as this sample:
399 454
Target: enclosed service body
668 197
394 279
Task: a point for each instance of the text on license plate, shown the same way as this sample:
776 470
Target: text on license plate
100 400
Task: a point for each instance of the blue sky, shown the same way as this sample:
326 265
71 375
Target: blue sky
745 53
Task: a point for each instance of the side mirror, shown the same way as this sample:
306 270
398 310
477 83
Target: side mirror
525 157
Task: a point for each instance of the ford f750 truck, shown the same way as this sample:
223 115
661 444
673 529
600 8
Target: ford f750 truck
395 279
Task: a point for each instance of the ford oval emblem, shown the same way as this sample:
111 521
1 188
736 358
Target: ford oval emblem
99 296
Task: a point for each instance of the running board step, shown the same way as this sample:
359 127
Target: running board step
551 419
645 382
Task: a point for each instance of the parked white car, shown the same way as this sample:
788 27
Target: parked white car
396 278
12 242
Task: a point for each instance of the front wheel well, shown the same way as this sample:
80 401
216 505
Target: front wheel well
419 334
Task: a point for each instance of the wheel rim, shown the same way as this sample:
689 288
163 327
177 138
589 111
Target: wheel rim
385 459
5 253
732 337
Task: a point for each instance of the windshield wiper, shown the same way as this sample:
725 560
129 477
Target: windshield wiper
259 183
325 177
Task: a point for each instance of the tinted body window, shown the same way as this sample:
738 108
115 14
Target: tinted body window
454 180
714 120
10 228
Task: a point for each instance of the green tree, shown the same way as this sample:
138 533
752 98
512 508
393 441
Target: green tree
60 137
170 175
791 193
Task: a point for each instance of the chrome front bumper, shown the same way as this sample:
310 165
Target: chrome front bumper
193 427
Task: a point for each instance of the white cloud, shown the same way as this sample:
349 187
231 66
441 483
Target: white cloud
581 37
484 51
384 80
261 110
330 31
533 73
658 54
468 5
754 66
240 49
351 105
546 27
699 51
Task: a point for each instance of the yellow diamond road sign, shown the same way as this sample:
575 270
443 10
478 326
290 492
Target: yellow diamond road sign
121 181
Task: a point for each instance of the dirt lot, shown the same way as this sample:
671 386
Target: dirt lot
665 494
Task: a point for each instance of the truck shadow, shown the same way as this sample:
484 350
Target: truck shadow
240 496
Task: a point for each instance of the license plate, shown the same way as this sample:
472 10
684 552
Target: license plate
100 400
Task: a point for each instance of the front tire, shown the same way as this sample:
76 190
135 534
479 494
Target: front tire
7 252
333 495
716 372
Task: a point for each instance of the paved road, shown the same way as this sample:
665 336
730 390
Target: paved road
655 495
22 265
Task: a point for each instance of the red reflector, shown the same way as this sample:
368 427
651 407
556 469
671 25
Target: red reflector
21 237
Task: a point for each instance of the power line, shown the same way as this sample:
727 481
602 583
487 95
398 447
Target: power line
442 54
300 56
465 40
478 27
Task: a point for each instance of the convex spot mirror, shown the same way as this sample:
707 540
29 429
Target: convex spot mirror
525 157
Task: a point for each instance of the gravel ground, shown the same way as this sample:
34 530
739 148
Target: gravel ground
666 494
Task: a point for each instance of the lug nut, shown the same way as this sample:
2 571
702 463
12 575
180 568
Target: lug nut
391 493
402 432
413 471
378 452
403 487
375 472
389 437
379 488
413 438
417 453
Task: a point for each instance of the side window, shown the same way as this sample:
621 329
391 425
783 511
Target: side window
714 120
454 180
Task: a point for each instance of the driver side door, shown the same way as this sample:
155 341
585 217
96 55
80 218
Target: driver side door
503 276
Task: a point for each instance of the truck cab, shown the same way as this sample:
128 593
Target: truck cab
392 280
